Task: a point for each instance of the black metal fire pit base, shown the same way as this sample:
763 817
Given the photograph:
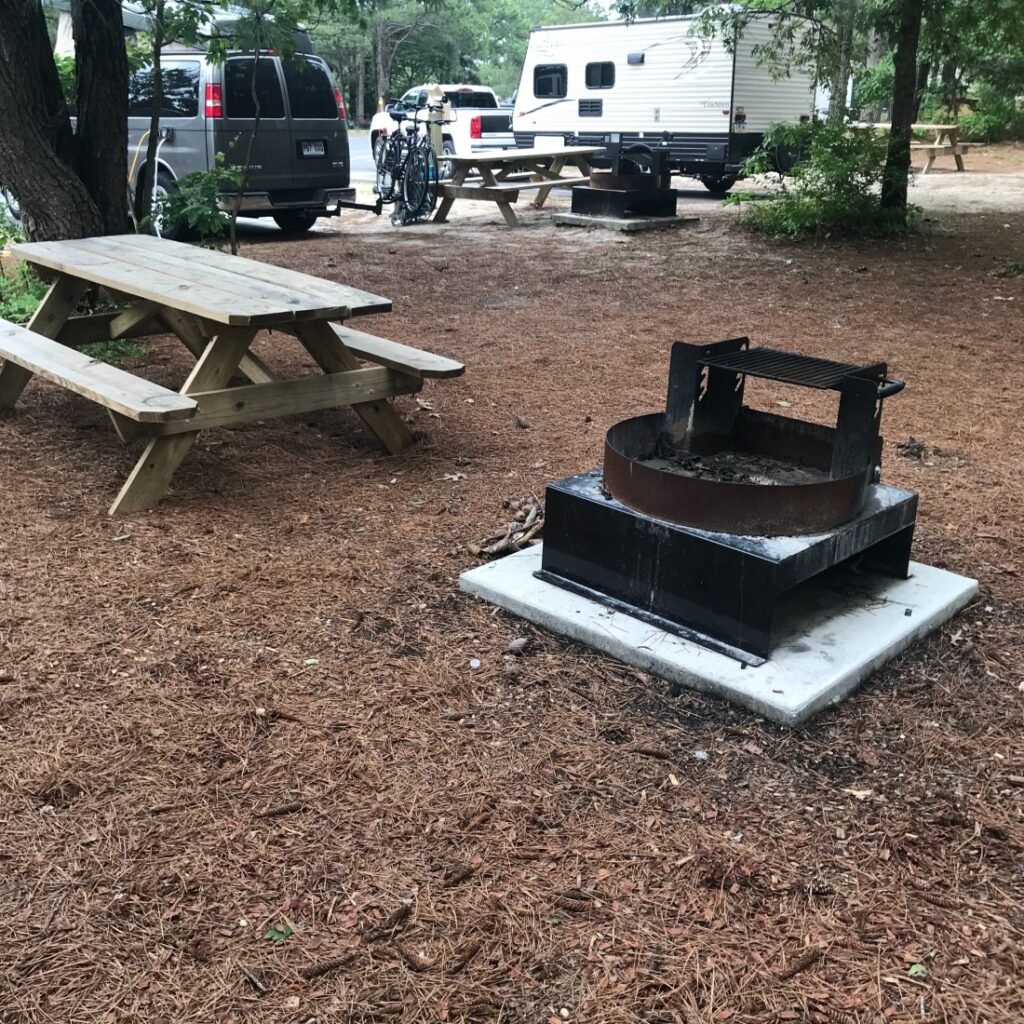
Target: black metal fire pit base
620 202
718 589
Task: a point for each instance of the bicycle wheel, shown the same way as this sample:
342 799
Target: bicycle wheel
391 160
419 184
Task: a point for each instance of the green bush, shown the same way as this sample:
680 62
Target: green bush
833 186
20 293
194 205
996 119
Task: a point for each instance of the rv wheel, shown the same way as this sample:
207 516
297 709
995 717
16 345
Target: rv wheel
718 186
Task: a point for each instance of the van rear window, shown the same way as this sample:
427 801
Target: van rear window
181 90
310 92
238 100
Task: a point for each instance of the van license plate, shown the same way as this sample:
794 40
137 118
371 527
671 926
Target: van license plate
316 148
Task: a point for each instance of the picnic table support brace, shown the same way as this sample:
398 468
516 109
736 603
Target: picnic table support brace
190 332
331 356
152 473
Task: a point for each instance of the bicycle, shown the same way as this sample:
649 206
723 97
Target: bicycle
407 169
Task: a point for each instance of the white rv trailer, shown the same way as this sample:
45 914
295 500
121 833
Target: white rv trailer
657 82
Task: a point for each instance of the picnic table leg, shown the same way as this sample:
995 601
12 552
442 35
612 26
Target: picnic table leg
152 473
446 204
488 179
57 305
958 157
556 171
332 356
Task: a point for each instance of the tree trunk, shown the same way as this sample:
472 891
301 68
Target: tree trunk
244 181
144 202
897 163
924 70
36 143
101 137
360 89
383 66
841 75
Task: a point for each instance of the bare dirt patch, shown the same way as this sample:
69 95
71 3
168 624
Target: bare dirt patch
250 772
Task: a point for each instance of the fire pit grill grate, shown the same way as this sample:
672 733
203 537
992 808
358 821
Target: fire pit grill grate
790 368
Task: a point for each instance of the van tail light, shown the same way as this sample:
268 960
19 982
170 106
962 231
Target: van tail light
340 100
476 127
739 117
214 101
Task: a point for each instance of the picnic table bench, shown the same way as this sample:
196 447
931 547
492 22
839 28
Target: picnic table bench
214 304
504 173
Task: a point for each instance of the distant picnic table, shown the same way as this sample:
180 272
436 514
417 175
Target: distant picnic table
945 142
504 173
214 304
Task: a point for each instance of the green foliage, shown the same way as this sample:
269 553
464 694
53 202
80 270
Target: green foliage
195 204
996 119
118 352
1011 268
20 293
10 230
874 85
832 188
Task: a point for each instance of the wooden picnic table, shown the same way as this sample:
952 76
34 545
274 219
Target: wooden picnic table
214 304
504 173
945 142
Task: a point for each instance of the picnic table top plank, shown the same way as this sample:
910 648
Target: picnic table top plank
358 301
104 384
499 156
239 292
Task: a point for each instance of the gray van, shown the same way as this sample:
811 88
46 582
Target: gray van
300 159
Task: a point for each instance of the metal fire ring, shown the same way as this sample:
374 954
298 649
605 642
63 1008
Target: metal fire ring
759 510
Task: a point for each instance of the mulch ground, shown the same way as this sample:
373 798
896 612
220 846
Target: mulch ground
249 773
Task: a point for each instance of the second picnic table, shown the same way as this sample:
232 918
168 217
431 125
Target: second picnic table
504 173
945 142
214 304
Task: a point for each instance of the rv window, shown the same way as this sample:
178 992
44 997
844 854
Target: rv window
181 91
310 92
549 81
238 88
601 76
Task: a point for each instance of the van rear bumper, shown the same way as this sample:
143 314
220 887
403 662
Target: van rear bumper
265 204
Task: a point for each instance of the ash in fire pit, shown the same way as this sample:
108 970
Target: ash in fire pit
735 468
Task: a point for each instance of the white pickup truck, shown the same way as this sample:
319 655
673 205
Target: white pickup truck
477 122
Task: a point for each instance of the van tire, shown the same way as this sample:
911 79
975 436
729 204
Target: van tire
165 184
296 220
377 142
717 185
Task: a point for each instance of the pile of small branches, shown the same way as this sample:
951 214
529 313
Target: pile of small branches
523 529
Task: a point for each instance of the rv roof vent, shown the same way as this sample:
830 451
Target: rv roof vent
636 58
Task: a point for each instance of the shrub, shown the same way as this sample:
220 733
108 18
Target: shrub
833 185
20 293
996 119
194 205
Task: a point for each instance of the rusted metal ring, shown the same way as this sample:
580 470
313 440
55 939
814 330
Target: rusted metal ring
748 509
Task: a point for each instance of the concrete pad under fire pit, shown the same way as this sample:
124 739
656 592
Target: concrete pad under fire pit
832 632
626 224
